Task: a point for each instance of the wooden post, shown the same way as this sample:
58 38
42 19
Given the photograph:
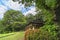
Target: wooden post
33 28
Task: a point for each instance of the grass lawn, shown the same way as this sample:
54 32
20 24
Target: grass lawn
12 36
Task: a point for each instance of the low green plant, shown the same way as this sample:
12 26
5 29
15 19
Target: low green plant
48 32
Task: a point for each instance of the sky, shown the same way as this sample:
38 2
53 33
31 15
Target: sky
9 4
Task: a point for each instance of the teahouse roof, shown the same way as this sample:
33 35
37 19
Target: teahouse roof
37 22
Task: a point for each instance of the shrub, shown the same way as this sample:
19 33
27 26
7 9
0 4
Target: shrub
44 33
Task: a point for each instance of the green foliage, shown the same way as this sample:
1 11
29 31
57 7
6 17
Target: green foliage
47 16
51 3
13 21
45 33
40 3
1 26
49 8
30 17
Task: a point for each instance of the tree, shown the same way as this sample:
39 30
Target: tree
52 6
50 10
29 17
1 27
13 20
46 6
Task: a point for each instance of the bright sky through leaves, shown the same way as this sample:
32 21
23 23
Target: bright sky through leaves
9 4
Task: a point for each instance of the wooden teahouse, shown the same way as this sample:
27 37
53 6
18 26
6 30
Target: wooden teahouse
35 24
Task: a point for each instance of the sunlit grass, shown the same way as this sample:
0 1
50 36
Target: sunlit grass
15 36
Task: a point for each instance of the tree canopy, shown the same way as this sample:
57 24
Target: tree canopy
13 20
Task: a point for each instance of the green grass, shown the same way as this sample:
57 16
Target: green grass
4 35
15 36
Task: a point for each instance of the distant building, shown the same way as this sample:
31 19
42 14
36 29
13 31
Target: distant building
35 24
